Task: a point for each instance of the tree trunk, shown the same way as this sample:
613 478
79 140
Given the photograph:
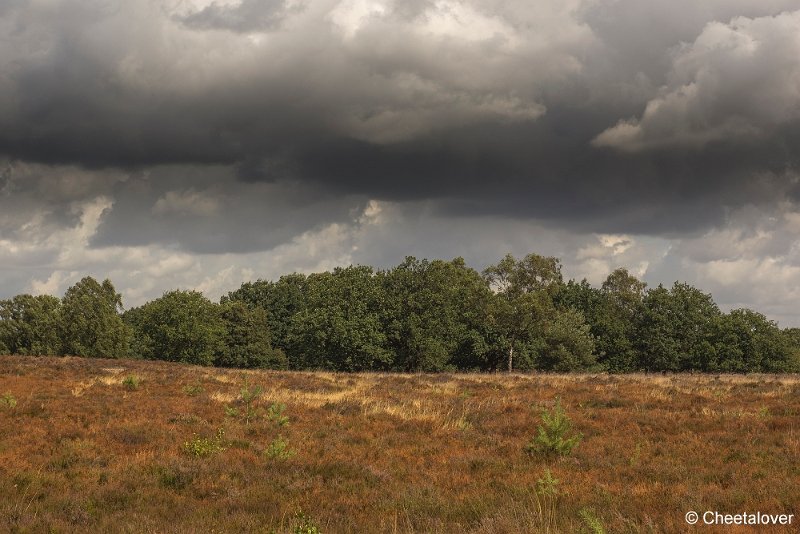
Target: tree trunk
510 358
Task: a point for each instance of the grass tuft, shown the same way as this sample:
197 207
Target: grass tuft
131 382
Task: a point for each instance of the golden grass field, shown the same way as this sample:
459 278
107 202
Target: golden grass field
82 451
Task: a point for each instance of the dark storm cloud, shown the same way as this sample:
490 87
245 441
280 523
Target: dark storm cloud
603 116
41 199
527 171
213 212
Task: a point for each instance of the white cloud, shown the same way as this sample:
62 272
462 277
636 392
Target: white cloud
53 285
736 82
752 261
351 15
606 245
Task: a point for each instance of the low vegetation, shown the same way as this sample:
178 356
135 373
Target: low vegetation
201 447
8 400
379 452
131 382
554 436
279 449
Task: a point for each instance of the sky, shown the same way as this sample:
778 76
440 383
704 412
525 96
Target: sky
199 144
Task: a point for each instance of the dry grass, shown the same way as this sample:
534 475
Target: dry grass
385 453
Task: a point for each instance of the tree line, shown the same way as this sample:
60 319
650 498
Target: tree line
418 316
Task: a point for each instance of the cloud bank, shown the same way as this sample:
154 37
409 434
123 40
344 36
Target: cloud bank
180 143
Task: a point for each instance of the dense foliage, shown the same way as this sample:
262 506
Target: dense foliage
419 316
90 323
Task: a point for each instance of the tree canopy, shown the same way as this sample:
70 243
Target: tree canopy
30 325
422 315
181 326
90 323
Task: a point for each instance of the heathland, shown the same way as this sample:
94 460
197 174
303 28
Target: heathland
146 446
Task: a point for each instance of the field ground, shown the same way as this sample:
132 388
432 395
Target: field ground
83 447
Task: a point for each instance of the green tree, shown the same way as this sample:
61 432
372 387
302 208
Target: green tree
555 435
280 300
677 328
579 296
340 327
792 340
181 326
140 344
613 313
30 325
624 290
247 339
511 277
90 320
523 303
568 344
746 341
434 313
615 330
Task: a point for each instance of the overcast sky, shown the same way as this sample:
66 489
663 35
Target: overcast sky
199 144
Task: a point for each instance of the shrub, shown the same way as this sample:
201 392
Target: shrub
554 436
247 398
279 449
203 447
193 389
174 476
249 395
591 521
275 414
8 400
131 382
305 525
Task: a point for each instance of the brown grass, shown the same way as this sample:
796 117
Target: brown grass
386 453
